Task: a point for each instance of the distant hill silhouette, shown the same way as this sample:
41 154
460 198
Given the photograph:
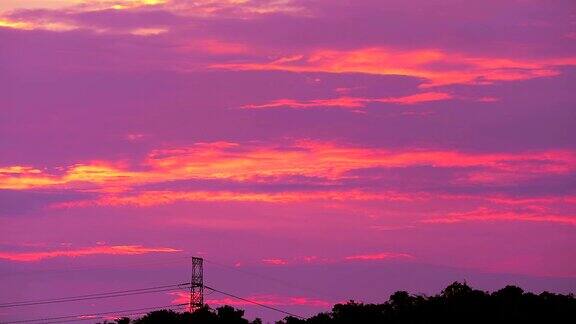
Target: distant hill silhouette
458 303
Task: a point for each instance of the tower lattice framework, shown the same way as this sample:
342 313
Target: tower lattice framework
197 284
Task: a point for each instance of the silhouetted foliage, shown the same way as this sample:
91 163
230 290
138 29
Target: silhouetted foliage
457 303
204 315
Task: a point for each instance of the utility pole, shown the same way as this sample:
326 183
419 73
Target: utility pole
197 284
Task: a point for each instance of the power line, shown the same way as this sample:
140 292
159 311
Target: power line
254 302
270 278
95 294
78 317
123 315
64 319
117 293
82 299
88 319
120 293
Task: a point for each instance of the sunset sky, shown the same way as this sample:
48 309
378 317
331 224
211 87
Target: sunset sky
313 151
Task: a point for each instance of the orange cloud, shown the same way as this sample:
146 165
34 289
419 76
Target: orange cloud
246 8
236 8
533 200
275 261
377 256
243 8
80 5
352 102
57 26
96 250
62 23
96 173
258 162
34 4
85 4
24 177
486 215
417 98
128 4
319 260
153 198
149 31
342 102
423 63
8 23
319 159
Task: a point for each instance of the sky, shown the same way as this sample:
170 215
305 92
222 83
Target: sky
311 151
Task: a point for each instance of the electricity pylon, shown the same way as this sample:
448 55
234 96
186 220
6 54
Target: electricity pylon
197 284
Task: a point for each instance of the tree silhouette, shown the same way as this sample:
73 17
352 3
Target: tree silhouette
457 303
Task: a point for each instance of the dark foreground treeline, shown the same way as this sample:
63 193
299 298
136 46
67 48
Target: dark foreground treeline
458 303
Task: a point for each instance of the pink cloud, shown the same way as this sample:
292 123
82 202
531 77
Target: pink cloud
351 102
80 5
275 261
377 256
154 198
319 260
488 99
487 215
464 69
221 8
233 161
554 200
82 252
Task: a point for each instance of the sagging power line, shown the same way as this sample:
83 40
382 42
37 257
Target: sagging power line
116 293
253 302
196 301
197 290
85 316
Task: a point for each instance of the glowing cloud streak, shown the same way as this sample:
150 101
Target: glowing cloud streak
352 102
458 68
275 262
232 161
89 251
485 215
154 198
377 256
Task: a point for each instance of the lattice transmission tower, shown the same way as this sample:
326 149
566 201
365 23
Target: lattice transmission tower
197 284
